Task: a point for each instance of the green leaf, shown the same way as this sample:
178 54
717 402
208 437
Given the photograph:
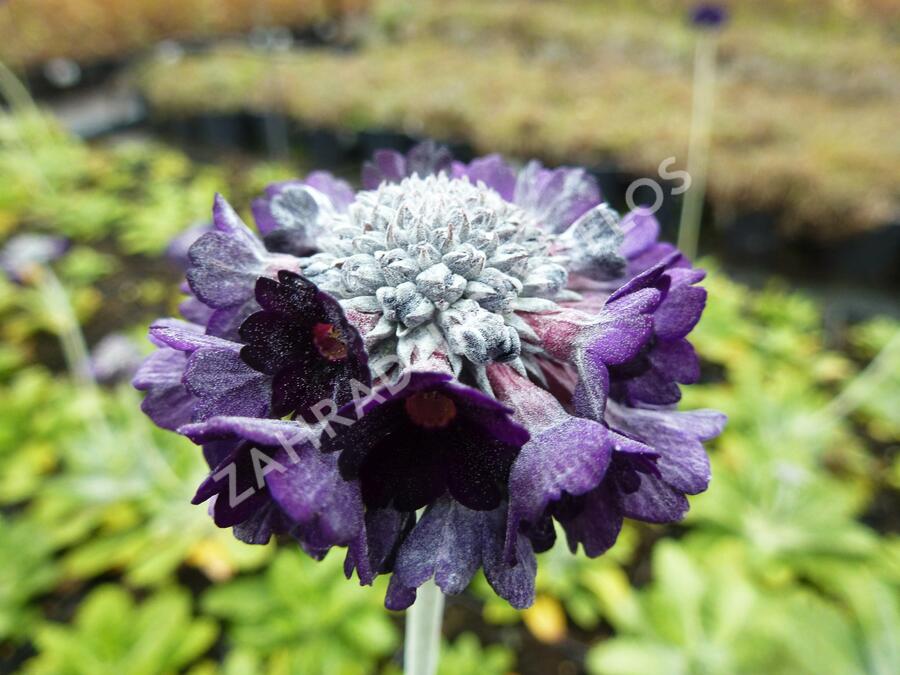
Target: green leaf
111 634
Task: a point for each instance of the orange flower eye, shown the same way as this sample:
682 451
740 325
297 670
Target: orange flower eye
430 410
329 342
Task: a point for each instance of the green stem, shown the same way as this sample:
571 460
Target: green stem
75 352
78 362
423 631
865 383
698 148
15 93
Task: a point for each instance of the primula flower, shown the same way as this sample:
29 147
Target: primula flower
434 370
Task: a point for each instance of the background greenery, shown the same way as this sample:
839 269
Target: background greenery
789 564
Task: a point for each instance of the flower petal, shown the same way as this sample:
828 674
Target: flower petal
598 523
225 385
326 509
168 403
557 197
677 437
225 263
493 171
444 544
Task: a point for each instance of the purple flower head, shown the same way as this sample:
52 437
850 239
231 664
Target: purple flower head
709 16
466 354
24 254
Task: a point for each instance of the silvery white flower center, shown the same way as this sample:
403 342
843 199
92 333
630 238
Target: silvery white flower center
445 263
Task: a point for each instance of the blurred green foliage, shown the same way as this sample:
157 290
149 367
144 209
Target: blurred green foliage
139 196
786 565
112 635
298 617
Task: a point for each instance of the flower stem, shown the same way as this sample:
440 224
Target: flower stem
15 93
423 631
698 149
78 363
75 351
864 384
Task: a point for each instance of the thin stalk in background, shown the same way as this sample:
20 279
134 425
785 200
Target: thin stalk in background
72 341
423 631
15 93
700 140
864 385
78 361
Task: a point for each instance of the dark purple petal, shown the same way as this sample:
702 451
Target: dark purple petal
234 484
225 385
677 359
641 230
262 432
642 247
652 386
655 501
186 337
196 312
398 596
424 159
591 343
261 525
597 522
177 250
653 256
594 519
216 450
302 339
652 375
374 549
247 450
565 455
512 581
450 545
226 323
567 459
413 444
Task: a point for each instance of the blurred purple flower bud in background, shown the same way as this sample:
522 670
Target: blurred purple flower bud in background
25 253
